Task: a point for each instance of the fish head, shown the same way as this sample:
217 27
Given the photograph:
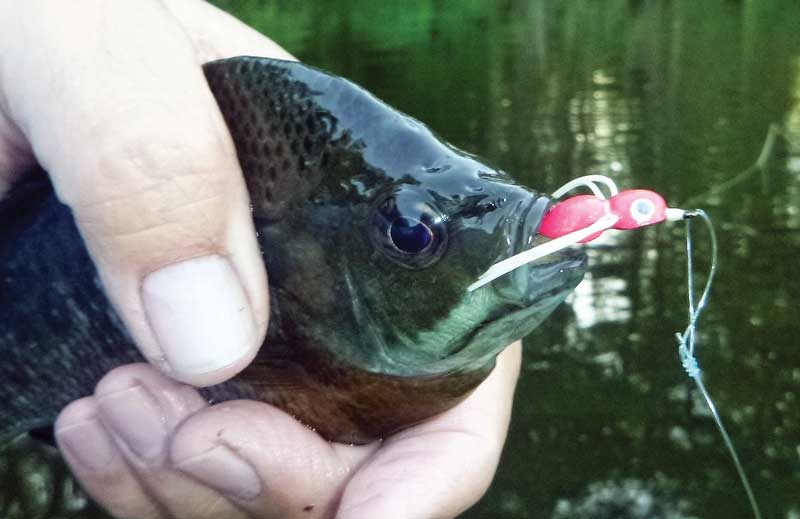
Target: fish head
373 228
424 239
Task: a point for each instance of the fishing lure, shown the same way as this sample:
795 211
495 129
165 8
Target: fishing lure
583 218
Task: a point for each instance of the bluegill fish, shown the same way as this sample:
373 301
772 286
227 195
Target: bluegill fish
371 230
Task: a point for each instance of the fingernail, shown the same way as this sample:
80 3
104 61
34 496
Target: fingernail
223 470
89 444
199 314
136 418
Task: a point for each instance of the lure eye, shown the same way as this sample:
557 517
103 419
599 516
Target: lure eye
642 210
410 232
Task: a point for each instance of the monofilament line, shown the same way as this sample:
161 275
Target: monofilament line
686 346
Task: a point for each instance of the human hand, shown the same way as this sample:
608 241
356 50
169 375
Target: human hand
110 99
146 447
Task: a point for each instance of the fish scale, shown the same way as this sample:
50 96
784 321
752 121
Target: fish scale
277 141
371 229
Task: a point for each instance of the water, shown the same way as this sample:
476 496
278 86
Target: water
673 96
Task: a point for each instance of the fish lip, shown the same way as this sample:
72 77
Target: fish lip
573 267
530 220
552 276
515 320
528 289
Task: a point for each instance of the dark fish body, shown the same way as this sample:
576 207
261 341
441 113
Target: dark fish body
371 230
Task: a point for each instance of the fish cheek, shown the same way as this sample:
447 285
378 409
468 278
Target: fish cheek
413 300
298 269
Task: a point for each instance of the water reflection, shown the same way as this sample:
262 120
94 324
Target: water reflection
629 498
36 484
789 209
601 122
602 298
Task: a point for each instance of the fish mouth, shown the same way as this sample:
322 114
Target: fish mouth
551 277
527 231
523 298
521 302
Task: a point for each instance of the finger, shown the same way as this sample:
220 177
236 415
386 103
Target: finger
99 465
122 118
141 408
264 460
443 466
216 34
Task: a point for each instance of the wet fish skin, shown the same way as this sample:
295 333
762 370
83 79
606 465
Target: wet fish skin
364 338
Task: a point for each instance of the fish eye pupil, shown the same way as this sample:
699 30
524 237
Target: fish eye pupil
409 235
408 229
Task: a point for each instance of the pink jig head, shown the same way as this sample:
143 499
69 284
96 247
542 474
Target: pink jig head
634 208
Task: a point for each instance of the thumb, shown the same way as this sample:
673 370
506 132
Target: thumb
122 118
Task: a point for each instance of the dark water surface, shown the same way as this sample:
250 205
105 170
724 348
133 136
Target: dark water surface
674 96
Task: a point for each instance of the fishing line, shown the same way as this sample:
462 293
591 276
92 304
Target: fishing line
583 218
687 342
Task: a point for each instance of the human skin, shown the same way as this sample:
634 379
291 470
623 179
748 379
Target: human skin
110 99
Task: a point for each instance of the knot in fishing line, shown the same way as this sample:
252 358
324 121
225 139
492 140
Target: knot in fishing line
688 361
686 340
686 345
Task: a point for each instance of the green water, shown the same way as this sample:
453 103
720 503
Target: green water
674 96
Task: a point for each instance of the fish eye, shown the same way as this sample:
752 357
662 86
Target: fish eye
410 235
642 209
409 231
